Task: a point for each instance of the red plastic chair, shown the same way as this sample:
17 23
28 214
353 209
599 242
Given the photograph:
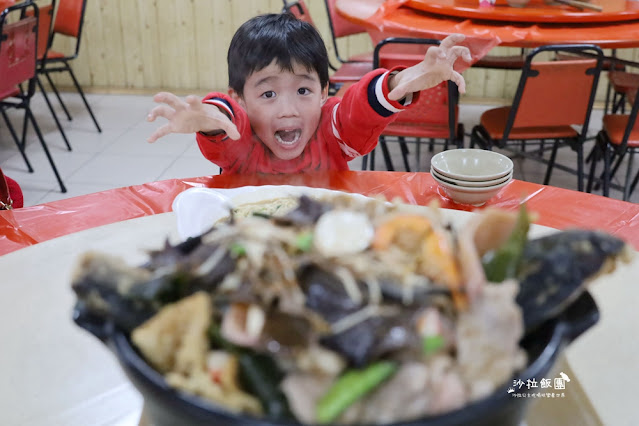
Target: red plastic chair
348 72
69 21
45 26
614 67
502 62
18 50
618 139
341 27
622 82
552 98
434 115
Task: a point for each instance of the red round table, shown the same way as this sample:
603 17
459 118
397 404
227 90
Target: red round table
539 11
556 207
5 4
487 29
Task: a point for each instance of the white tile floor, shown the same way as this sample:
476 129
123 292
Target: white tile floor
120 155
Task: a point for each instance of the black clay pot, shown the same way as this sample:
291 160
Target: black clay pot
168 407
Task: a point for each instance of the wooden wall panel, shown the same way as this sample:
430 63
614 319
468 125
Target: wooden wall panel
131 43
151 45
112 30
148 31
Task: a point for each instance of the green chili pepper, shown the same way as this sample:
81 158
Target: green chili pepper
237 250
351 386
504 262
432 344
261 214
304 241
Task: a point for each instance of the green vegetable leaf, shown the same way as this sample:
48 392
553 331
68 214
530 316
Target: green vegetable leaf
304 241
432 344
504 262
237 250
261 376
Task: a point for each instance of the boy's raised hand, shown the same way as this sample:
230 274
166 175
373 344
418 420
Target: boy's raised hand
436 67
189 116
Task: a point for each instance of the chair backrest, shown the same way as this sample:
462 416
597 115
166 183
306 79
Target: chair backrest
437 105
18 46
69 20
340 27
556 93
45 26
299 10
633 123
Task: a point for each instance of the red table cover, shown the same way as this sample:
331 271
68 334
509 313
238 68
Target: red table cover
395 18
556 207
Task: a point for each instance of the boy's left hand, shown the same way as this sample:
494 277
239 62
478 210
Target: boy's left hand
436 67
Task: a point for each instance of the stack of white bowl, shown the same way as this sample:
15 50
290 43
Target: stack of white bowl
471 176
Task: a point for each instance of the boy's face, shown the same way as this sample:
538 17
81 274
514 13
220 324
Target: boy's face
284 108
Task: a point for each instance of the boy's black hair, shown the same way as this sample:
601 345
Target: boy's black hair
282 37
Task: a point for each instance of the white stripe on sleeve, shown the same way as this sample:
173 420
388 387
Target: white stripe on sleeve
220 103
349 151
379 93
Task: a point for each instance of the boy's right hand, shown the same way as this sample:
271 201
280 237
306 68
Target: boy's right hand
189 116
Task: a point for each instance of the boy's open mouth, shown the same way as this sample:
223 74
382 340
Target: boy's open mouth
288 137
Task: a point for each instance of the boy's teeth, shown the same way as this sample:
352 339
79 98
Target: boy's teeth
287 137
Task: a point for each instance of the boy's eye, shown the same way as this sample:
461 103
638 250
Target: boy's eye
268 94
303 91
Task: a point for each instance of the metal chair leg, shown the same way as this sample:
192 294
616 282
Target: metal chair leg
606 173
619 158
57 95
16 140
635 181
84 99
473 137
372 166
404 150
63 189
591 174
626 186
594 157
55 116
551 162
580 166
386 154
460 135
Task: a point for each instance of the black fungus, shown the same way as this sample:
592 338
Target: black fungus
555 269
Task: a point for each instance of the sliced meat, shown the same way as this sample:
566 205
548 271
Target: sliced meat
488 337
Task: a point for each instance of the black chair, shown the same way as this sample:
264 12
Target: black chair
433 116
69 21
18 52
345 72
552 98
45 27
618 139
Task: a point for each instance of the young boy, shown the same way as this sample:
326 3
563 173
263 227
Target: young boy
277 116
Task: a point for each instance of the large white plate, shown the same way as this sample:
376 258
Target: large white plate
54 373
197 209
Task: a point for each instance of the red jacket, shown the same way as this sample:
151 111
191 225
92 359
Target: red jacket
348 128
14 192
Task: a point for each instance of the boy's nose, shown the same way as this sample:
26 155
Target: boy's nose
288 107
